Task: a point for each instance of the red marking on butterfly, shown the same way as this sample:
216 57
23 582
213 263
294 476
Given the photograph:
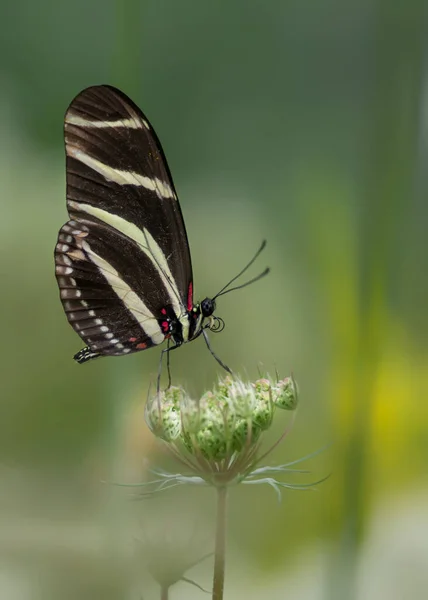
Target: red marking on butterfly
163 311
132 339
165 326
141 346
190 297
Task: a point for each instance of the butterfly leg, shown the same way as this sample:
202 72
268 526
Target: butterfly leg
168 366
167 350
220 362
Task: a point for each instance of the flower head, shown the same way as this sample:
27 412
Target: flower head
219 435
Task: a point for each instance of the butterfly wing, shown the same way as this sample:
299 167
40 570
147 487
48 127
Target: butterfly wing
124 254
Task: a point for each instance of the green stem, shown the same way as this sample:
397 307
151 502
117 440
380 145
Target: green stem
164 592
220 544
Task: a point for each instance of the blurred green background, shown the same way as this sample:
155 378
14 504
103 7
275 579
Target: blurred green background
305 123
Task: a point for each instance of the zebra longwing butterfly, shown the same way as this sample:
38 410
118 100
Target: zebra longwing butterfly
122 260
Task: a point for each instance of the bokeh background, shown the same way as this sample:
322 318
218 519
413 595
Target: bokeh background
305 123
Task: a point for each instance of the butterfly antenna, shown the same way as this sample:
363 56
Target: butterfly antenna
225 289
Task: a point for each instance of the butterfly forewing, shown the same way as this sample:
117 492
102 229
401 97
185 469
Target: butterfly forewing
123 256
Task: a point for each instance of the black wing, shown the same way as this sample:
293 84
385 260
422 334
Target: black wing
123 256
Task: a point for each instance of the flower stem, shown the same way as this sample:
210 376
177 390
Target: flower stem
220 545
164 592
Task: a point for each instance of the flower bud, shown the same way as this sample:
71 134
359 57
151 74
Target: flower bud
284 394
163 415
264 408
245 433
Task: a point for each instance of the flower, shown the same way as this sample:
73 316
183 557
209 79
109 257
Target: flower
218 437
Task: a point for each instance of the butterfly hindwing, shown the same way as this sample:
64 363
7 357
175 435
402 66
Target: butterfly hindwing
99 305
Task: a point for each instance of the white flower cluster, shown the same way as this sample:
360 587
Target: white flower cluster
225 421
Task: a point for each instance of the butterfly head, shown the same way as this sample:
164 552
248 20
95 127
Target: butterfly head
203 317
207 307
212 323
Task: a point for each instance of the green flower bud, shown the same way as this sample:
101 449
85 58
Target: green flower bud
163 415
242 399
211 442
284 394
243 435
264 409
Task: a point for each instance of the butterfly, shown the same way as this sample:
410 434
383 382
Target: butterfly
122 260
